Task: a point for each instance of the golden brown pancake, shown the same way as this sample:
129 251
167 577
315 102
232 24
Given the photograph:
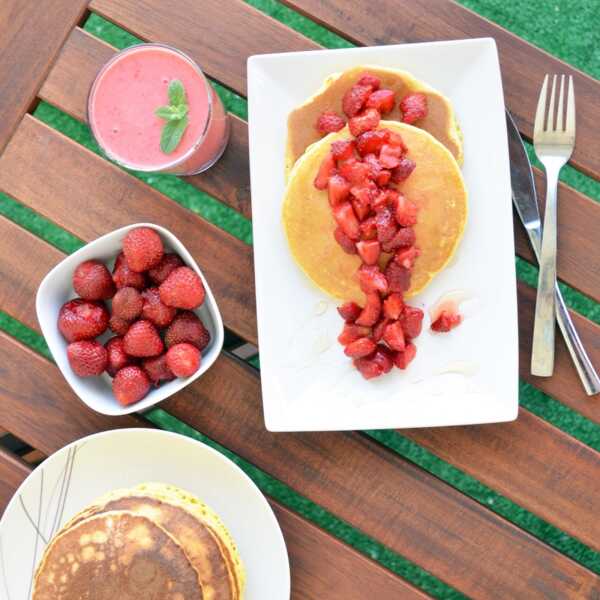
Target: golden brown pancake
439 122
202 544
116 555
436 186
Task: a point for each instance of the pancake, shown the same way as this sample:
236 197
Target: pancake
198 529
436 186
116 555
439 122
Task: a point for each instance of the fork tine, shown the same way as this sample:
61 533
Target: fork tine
550 121
570 129
559 115
540 112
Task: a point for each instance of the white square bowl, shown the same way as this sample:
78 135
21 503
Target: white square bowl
467 376
57 288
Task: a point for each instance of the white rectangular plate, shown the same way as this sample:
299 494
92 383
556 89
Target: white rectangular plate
467 376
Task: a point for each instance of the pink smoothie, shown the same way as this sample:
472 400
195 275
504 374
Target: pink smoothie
131 87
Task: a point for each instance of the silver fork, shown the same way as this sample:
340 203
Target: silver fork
553 145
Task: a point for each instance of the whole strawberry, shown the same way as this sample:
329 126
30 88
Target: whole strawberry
154 310
118 325
183 359
127 303
130 385
87 358
182 289
143 249
187 327
82 320
142 340
157 370
93 281
123 276
117 358
163 269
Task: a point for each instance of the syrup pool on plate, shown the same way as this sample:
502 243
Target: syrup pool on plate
122 104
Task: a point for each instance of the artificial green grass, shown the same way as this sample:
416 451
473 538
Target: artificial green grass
569 30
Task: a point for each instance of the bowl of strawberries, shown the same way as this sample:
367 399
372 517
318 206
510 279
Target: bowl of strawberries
130 319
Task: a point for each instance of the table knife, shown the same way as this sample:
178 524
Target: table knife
525 201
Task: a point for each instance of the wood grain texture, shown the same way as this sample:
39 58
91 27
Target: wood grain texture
32 34
219 35
13 471
523 65
229 179
67 87
88 196
319 562
388 498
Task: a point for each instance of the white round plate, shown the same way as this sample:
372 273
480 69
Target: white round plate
77 474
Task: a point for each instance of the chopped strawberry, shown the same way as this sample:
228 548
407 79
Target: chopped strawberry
386 225
371 279
356 172
405 167
389 157
446 321
395 139
370 313
361 210
329 121
370 142
338 190
383 177
143 249
404 238
368 229
406 257
386 197
354 99
368 368
378 330
393 336
382 100
413 107
393 305
343 149
411 321
365 192
326 170
346 219
384 358
344 241
404 358
349 311
406 211
360 348
351 333
369 251
365 121
398 277
369 79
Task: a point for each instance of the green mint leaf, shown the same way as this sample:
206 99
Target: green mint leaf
180 111
169 113
176 93
172 133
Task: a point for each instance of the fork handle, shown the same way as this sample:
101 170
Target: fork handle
542 356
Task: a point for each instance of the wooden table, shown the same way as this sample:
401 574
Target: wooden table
45 54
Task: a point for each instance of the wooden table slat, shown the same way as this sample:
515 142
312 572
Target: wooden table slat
374 490
523 65
320 564
32 34
229 180
88 196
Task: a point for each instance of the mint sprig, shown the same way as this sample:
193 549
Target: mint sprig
175 116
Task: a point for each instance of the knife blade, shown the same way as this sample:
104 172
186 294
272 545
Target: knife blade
525 201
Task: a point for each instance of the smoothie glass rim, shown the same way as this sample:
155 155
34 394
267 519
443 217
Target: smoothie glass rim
184 157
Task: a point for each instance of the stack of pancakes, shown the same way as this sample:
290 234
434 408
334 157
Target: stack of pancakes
436 186
152 542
